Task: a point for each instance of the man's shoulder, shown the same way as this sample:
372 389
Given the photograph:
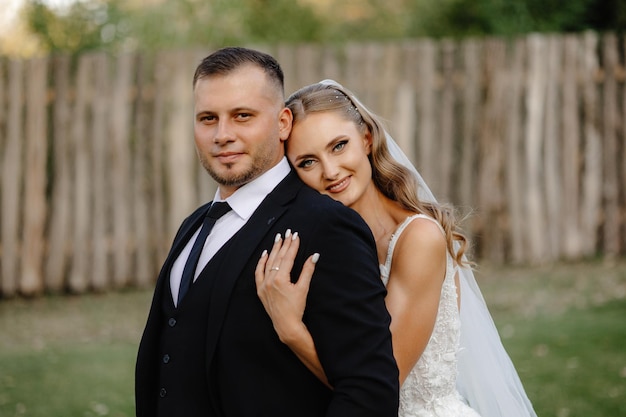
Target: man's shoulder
315 201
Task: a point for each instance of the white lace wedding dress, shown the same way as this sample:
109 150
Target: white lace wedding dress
430 388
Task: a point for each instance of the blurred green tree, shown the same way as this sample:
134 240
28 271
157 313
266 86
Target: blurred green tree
114 24
84 25
461 18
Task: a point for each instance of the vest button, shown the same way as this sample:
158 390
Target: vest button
172 322
162 393
166 358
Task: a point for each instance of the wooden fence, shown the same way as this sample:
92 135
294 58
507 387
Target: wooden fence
99 168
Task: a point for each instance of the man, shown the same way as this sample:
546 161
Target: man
213 350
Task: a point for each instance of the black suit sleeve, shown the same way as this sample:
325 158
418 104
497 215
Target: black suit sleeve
348 320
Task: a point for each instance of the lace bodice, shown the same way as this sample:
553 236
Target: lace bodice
430 388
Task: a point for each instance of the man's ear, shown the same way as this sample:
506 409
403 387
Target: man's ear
285 120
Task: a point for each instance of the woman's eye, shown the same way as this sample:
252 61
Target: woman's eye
339 146
305 163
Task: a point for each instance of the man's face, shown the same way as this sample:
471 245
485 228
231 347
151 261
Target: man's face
239 127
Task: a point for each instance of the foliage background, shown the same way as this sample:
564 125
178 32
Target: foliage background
83 25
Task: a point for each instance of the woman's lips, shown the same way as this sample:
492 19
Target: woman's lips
339 186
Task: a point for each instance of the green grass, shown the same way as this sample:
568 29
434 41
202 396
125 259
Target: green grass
574 364
563 325
70 356
78 380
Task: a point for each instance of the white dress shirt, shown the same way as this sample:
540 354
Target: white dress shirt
243 202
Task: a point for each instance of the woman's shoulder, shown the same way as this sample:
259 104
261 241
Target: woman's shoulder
420 228
422 238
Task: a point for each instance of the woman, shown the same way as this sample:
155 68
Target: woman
440 324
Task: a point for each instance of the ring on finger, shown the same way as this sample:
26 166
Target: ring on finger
274 268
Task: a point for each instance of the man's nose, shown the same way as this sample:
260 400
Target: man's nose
223 133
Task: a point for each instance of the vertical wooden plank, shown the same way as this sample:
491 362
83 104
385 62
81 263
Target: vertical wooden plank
427 104
404 119
552 150
535 108
331 64
610 180
571 151
592 171
121 112
12 202
181 160
446 120
144 270
515 174
286 57
470 106
490 223
388 80
59 233
78 281
160 236
623 143
35 204
3 134
354 70
3 100
371 68
102 196
405 116
308 61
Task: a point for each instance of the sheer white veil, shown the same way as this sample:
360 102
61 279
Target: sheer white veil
487 378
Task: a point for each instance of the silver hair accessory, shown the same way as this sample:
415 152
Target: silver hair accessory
344 97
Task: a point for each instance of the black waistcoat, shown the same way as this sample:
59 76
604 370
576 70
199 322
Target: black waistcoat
183 385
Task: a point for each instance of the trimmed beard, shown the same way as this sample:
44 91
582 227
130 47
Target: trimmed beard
260 164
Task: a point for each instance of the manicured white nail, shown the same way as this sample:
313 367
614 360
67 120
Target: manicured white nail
277 238
315 258
295 236
264 253
287 233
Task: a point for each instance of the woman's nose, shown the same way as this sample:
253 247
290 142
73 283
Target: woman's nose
330 171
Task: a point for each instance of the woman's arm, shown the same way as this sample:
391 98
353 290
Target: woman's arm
413 292
285 301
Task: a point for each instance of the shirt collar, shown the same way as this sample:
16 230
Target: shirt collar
246 199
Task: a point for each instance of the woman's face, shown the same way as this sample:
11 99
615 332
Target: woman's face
330 155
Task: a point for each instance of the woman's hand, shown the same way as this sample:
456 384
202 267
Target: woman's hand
283 300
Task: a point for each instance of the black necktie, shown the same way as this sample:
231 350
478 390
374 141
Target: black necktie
216 211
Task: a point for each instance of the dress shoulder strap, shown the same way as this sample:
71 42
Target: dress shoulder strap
396 235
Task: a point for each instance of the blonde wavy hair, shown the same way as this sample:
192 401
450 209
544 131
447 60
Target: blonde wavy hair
393 179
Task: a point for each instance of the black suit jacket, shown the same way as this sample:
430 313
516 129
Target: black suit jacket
249 371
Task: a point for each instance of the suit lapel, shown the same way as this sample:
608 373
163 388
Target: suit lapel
183 235
240 252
